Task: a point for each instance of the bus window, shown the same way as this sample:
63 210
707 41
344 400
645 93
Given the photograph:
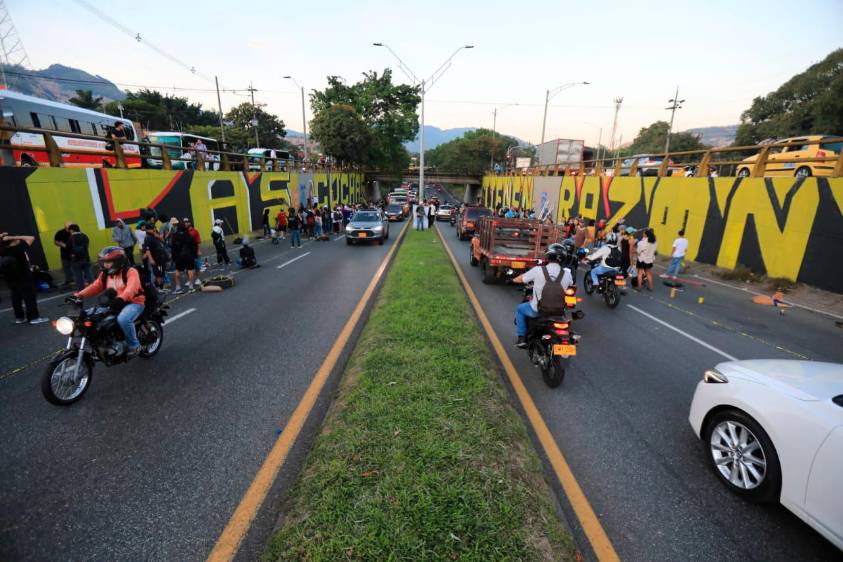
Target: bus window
46 121
212 145
130 132
36 122
62 124
90 128
74 126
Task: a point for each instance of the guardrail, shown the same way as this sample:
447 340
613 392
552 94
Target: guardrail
690 163
125 153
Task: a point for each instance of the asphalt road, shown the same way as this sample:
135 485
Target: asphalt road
152 462
621 417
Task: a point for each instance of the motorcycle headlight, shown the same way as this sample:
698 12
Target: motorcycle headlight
64 326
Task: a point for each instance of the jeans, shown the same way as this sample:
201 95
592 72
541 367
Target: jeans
295 237
600 270
222 254
24 293
318 230
419 223
524 310
675 265
82 273
68 271
126 320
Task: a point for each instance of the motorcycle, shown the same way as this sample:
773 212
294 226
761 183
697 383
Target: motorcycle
611 285
94 335
550 340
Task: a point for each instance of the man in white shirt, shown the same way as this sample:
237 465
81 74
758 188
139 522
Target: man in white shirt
555 255
680 247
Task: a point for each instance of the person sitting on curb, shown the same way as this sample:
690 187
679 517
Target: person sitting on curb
247 257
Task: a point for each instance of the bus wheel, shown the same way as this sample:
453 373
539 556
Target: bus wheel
26 161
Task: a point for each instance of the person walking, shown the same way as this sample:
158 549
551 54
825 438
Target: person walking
265 223
680 248
281 224
17 269
431 215
61 239
294 224
420 216
80 259
218 238
646 251
123 236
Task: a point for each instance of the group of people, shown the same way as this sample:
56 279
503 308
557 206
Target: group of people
425 214
312 222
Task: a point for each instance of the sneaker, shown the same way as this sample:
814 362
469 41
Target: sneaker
38 321
178 291
521 343
132 352
20 321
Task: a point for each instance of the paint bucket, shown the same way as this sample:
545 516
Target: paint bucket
673 292
701 300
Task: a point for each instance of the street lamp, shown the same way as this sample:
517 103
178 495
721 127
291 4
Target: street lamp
424 85
549 94
494 131
303 120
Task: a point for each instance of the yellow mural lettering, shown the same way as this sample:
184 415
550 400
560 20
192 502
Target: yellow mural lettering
674 201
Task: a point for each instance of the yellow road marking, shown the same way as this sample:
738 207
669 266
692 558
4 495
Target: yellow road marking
597 536
229 541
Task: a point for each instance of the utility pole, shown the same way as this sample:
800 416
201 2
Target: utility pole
254 114
547 97
618 102
676 103
219 106
303 118
12 51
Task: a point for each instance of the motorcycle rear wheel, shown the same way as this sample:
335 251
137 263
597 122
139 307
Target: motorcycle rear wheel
612 296
554 374
60 385
587 284
151 337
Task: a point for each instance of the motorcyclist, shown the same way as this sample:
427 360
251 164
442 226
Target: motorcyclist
116 274
557 255
609 256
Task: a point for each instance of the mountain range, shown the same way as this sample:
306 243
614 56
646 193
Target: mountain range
716 136
59 83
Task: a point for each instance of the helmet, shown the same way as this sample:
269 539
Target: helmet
115 256
558 253
630 230
612 239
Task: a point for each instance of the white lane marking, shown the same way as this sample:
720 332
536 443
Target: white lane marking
751 292
339 237
179 315
683 333
42 300
288 262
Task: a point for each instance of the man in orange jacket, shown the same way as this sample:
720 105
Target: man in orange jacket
116 274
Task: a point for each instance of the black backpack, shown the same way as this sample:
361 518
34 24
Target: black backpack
552 298
614 257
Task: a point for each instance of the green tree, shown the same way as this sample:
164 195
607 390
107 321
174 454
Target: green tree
241 134
342 133
810 102
388 110
470 153
650 140
157 111
86 99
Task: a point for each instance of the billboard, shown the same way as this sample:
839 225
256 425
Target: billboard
564 152
522 162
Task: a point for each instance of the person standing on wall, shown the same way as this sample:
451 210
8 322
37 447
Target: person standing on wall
680 248
16 268
80 259
61 239
123 236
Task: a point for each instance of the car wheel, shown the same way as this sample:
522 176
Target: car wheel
488 272
743 173
804 172
348 241
380 241
471 259
742 455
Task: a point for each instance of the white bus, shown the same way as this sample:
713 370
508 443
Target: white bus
182 144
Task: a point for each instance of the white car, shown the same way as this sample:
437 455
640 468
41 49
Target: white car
773 431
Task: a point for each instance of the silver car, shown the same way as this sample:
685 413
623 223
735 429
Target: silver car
365 225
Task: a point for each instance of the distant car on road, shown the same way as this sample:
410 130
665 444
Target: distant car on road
801 157
773 431
648 165
444 212
467 221
365 225
394 212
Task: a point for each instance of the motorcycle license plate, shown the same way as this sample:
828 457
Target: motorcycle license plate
570 300
362 234
620 282
564 349
518 265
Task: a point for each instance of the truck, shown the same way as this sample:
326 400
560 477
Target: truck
561 152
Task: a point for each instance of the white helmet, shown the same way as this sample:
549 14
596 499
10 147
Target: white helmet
612 239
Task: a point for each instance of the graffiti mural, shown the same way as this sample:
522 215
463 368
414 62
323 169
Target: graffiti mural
39 201
784 227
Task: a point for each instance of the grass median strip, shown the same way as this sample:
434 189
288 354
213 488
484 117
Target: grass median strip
421 456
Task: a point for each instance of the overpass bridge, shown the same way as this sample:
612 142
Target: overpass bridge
430 176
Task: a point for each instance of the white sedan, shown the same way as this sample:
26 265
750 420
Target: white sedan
773 431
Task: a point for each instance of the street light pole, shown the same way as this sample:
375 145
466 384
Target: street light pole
494 133
549 95
424 86
303 119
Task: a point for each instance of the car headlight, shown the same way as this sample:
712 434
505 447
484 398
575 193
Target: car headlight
714 376
348 228
378 228
64 326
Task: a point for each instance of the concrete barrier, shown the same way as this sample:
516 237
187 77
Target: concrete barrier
784 227
38 201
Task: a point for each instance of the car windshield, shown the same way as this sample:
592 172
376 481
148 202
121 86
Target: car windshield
476 213
366 216
394 208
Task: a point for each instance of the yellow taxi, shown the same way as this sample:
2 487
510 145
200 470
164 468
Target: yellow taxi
799 159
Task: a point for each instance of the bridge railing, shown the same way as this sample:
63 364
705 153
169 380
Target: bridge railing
710 162
27 147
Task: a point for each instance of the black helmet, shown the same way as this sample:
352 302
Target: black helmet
115 255
558 253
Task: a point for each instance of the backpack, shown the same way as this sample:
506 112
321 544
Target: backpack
614 257
147 288
419 211
552 298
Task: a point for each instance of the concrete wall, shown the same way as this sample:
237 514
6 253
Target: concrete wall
39 201
784 227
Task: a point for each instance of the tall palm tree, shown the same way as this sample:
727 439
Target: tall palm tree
86 99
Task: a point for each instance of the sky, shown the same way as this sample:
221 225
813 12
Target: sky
721 54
